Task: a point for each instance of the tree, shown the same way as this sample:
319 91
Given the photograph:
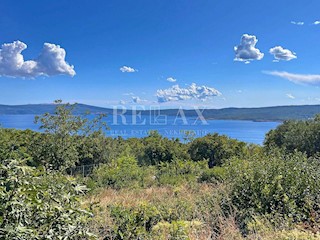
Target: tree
292 135
160 149
215 149
64 134
16 143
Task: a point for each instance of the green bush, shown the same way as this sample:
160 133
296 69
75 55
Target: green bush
157 149
277 185
213 175
178 172
120 173
303 136
134 222
215 149
39 205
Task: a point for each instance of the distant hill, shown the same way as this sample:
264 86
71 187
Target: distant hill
279 113
44 108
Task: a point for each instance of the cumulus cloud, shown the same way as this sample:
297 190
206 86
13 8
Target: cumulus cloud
280 53
297 23
289 95
128 69
51 61
171 79
296 78
176 93
316 23
247 51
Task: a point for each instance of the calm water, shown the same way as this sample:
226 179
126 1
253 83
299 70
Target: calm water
248 131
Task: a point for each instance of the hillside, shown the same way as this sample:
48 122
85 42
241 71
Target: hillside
277 113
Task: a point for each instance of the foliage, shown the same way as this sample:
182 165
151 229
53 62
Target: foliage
213 175
215 149
175 230
64 134
292 135
39 205
282 186
158 188
15 143
134 223
119 173
159 149
178 172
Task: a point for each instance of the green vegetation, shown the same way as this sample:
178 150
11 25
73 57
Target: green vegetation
212 187
36 204
303 136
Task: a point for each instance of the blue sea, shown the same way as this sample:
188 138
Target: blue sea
171 127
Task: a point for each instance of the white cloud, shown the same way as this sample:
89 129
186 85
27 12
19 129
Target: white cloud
280 53
296 78
128 94
136 99
297 23
51 61
122 102
316 23
128 69
175 93
289 95
171 79
246 51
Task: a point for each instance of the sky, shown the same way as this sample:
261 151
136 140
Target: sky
177 53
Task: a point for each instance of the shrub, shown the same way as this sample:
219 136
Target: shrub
39 205
134 222
279 186
178 172
119 173
213 175
303 136
215 149
159 149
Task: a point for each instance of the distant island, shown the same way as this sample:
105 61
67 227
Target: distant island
276 113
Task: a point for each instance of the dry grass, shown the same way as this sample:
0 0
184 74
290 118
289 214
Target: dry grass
200 201
133 197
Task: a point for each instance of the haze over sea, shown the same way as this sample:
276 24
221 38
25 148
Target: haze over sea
170 127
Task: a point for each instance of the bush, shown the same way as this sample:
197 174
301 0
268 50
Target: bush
120 173
279 186
159 149
213 175
39 205
303 136
178 172
134 222
215 149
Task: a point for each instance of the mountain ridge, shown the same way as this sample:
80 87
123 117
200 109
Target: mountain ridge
272 113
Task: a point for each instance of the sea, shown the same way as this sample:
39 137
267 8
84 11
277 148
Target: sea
168 126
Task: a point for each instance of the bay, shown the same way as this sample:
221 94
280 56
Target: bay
169 126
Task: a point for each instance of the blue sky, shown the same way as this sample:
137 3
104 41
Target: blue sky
192 42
